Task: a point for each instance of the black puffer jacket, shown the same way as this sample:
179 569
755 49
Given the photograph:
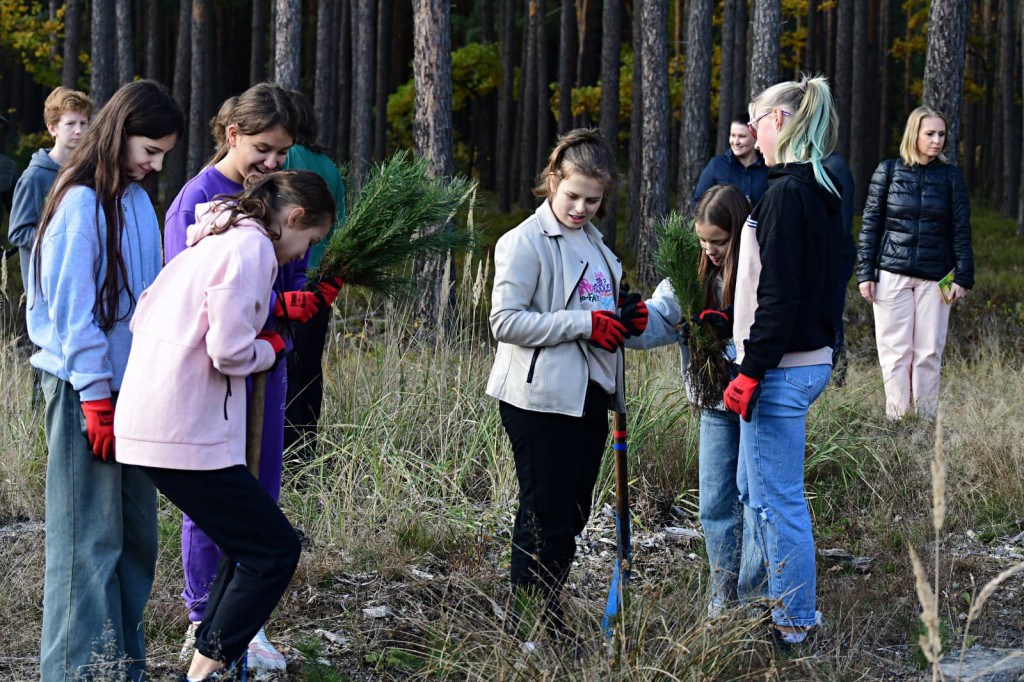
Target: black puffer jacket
917 222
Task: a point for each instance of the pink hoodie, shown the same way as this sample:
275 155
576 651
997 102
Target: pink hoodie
182 401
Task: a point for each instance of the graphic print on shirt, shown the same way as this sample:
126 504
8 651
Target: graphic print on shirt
596 293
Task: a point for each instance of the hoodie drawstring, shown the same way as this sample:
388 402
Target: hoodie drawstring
226 396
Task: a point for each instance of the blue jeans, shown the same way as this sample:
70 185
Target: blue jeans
735 559
771 482
101 544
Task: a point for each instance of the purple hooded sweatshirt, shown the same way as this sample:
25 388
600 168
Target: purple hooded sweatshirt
199 554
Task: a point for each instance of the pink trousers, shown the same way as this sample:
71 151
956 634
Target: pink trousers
911 320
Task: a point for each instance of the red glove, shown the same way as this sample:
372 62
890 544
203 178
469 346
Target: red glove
606 330
741 394
99 427
275 341
298 306
327 288
718 321
634 316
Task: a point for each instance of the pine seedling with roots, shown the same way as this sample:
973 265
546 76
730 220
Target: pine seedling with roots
401 214
677 257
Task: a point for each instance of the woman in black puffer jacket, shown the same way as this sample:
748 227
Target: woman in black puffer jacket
916 229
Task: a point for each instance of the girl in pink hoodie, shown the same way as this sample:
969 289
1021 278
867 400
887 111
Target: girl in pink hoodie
181 415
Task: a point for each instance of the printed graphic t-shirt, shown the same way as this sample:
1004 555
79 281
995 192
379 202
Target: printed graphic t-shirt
595 292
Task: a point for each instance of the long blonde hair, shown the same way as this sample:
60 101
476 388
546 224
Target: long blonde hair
908 147
812 133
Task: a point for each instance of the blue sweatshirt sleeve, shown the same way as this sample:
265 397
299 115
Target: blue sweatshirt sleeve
69 262
29 195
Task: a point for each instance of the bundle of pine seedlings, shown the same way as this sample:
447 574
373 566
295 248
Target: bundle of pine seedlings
677 257
401 214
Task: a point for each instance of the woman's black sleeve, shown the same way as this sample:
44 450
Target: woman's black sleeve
872 225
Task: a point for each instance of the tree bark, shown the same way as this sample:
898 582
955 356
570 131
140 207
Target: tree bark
197 119
944 65
543 111
695 138
324 79
258 52
726 107
885 102
432 124
766 28
103 70
382 86
152 66
1007 85
611 37
844 72
566 59
182 76
72 44
636 132
487 21
287 43
528 142
739 57
125 59
363 34
859 105
654 180
344 132
503 179
810 62
1020 196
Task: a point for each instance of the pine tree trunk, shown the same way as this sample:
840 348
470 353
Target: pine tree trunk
1020 196
611 37
582 16
1007 85
382 84
519 145
182 77
363 34
432 124
343 151
654 180
726 107
287 43
103 69
844 73
944 65
125 59
884 71
258 51
636 133
72 44
739 57
197 119
543 111
566 58
153 42
503 145
765 29
859 104
323 80
810 53
528 98
487 21
695 137
991 160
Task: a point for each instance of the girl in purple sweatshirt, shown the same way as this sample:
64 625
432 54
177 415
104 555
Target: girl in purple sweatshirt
199 332
254 132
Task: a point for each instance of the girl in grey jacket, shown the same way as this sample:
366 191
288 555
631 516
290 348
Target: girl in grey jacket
559 366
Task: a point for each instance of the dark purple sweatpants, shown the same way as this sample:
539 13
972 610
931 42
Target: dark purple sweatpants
199 554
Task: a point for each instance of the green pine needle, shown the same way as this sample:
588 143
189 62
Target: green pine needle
401 214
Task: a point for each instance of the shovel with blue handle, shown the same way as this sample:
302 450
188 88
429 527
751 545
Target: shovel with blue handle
620 578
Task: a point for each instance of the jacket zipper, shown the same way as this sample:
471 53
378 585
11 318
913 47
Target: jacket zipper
226 396
533 365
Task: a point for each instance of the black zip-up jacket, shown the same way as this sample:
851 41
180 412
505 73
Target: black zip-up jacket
917 222
799 236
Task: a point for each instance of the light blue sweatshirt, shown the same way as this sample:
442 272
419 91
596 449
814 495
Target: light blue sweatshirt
62 313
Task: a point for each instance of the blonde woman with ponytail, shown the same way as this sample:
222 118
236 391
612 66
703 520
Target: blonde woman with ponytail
181 420
784 328
559 367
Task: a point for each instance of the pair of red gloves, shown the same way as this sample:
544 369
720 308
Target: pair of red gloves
742 392
300 307
608 330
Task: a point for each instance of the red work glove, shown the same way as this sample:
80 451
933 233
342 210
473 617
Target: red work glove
634 315
298 306
718 321
606 330
275 341
327 288
99 427
741 394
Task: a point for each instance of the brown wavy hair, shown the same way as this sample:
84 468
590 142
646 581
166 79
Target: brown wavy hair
266 195
583 150
260 108
725 207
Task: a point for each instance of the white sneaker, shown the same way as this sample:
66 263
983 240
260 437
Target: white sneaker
189 647
263 656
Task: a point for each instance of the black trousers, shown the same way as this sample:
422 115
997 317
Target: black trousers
557 461
305 379
260 551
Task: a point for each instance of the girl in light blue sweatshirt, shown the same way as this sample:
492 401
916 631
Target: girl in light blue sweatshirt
97 247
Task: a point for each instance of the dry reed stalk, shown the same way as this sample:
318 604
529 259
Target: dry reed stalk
979 603
930 643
